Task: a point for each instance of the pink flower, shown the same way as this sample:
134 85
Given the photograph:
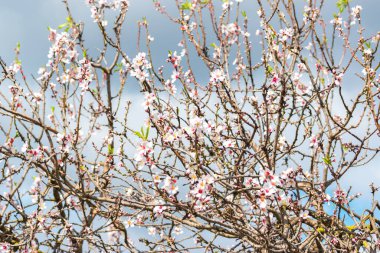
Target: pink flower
314 142
304 214
5 247
172 136
178 230
149 99
275 80
341 196
152 230
144 150
159 209
334 241
130 223
37 97
217 76
262 202
52 34
175 59
355 11
175 76
24 147
139 67
140 61
338 79
144 154
285 34
15 67
170 185
156 179
229 144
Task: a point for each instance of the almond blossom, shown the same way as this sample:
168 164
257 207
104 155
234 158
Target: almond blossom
233 142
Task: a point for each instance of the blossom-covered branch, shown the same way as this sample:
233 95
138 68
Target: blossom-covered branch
244 149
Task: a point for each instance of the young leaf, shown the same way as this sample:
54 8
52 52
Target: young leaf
327 160
147 133
138 134
320 230
269 69
342 4
62 25
142 131
186 6
110 149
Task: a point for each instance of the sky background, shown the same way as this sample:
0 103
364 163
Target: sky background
26 21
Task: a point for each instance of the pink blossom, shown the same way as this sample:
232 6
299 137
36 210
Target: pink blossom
159 209
217 76
314 142
149 99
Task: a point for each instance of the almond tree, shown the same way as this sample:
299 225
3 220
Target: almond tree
249 156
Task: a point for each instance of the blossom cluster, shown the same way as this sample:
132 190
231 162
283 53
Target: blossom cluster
97 8
138 67
200 192
144 155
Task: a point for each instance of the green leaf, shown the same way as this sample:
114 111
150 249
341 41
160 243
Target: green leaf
244 13
269 69
186 6
138 134
110 149
321 230
62 25
52 109
119 67
66 25
327 160
84 53
213 45
147 133
144 20
142 131
143 134
342 4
